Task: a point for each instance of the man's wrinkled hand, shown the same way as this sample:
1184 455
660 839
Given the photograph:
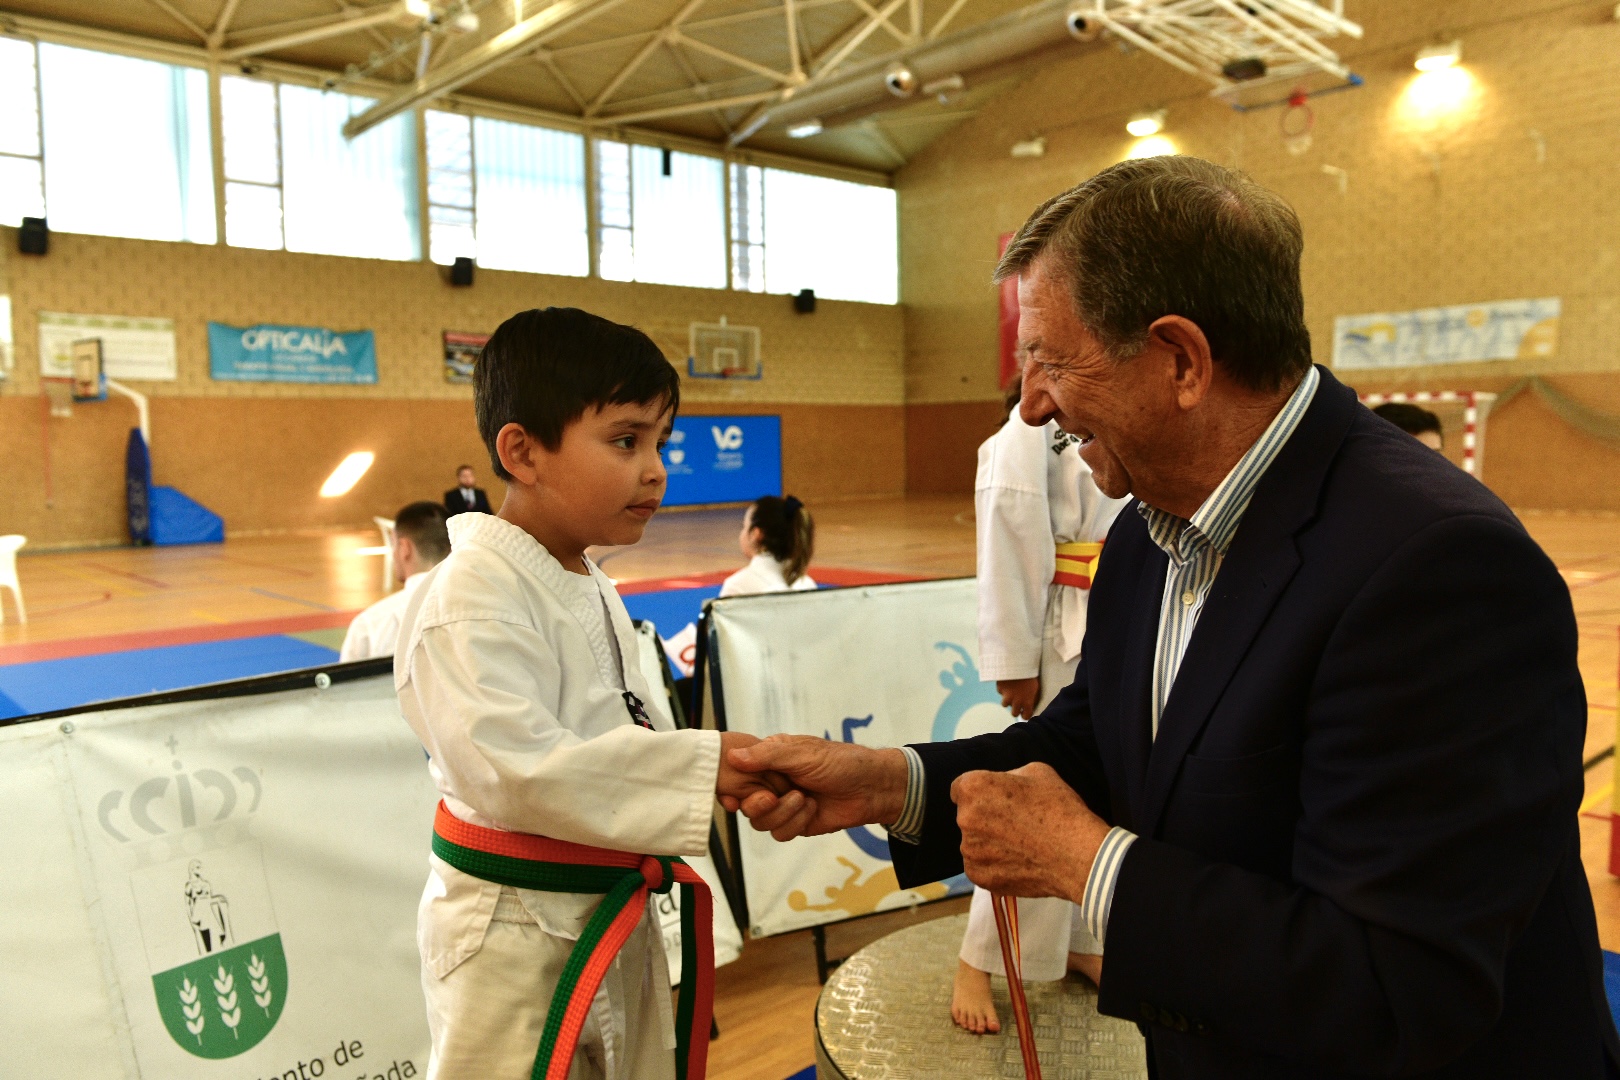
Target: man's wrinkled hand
1026 832
835 785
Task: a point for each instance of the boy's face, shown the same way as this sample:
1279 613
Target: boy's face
606 479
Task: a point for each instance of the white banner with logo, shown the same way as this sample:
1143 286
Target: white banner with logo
131 347
881 665
1497 330
220 889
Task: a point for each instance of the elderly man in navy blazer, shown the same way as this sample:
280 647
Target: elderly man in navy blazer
1315 783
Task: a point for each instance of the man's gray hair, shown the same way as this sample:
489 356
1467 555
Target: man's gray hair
1182 236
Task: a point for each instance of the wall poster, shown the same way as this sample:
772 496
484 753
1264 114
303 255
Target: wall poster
293 354
1498 330
461 351
131 347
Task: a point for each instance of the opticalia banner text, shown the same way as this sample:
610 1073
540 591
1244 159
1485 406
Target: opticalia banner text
296 354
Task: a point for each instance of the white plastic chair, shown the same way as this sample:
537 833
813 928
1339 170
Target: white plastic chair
8 575
386 527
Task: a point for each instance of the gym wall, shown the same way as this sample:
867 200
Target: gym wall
256 453
1508 195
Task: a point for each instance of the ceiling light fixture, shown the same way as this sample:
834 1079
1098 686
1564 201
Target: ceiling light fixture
1438 57
347 474
1144 124
804 130
1035 147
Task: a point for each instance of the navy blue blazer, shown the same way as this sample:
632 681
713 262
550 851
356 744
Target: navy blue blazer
1358 849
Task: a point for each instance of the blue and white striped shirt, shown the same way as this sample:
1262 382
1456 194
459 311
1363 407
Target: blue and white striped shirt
1197 547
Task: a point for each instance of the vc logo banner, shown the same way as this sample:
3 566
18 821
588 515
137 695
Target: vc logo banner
728 438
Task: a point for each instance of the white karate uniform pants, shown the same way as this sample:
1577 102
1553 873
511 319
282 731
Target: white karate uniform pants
486 1014
1049 929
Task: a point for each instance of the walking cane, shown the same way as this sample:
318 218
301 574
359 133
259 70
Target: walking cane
1006 910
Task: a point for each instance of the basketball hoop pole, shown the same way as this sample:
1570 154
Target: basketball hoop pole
144 414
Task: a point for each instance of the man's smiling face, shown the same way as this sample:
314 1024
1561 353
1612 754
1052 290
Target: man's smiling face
1068 377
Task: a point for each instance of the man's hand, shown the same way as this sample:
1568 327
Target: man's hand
734 786
838 785
1019 696
1026 832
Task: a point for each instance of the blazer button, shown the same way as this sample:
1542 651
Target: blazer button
1200 1028
1180 1023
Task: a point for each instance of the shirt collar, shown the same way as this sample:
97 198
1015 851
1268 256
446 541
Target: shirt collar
1216 522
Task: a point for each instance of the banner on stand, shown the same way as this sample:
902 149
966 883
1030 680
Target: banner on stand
879 665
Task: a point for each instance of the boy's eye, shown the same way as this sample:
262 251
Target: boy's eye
626 441
661 444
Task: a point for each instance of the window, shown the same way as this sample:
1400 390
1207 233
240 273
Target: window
511 194
123 143
22 170
793 231
294 181
661 216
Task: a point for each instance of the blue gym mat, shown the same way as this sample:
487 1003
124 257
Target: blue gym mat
44 685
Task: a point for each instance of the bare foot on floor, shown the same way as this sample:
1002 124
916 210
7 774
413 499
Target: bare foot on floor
1088 965
972 1008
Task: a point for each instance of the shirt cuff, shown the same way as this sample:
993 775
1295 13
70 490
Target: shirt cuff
907 828
1098 901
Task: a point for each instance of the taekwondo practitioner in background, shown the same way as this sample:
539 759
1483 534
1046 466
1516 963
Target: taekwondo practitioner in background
778 537
563 799
420 543
1041 522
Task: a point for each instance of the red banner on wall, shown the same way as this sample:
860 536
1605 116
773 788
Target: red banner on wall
1009 325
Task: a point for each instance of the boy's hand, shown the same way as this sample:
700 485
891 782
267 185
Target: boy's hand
841 785
753 792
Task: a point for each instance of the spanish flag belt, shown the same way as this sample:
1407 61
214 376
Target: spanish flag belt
1076 563
625 880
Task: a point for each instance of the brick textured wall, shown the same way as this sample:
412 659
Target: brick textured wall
1509 194
256 452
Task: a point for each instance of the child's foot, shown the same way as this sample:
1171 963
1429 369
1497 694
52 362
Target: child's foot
1087 964
971 1005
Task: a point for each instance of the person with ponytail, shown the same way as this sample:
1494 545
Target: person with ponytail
778 537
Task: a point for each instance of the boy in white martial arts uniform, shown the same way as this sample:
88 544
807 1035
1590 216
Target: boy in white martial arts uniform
515 669
1040 522
420 544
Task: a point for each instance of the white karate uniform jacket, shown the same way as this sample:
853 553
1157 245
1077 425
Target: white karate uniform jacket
764 574
375 630
1033 492
507 673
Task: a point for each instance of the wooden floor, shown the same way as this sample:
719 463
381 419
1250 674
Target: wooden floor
766 999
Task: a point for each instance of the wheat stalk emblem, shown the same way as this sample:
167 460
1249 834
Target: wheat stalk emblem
191 1006
225 993
260 979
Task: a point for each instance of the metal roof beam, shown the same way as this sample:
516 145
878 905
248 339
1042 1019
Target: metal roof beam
392 12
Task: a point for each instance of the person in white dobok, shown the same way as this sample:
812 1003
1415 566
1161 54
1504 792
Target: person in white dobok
420 543
778 537
1040 524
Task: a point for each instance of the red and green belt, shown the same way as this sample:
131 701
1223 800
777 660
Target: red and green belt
625 881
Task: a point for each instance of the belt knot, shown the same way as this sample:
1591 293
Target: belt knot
658 871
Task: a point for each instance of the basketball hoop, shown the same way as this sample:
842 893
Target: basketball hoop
1296 122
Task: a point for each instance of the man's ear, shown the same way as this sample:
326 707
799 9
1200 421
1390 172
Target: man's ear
520 453
1188 349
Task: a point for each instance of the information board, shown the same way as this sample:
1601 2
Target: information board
720 459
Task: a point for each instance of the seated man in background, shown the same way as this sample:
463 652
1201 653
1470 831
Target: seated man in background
421 542
465 496
1415 420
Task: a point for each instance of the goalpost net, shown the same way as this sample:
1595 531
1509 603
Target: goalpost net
1462 416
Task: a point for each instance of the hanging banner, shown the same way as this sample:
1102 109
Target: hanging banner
460 354
717 459
227 889
292 354
881 665
131 348
1499 330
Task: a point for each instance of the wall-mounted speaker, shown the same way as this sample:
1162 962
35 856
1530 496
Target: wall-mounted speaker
461 271
34 237
805 302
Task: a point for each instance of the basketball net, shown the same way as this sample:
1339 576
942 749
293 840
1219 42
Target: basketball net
1006 911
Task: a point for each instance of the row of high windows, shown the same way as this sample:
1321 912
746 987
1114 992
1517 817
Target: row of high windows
118 146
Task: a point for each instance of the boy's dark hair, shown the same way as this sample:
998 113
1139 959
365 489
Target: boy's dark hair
422 523
1412 419
787 531
543 369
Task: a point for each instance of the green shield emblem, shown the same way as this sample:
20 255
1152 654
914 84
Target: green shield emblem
223 1004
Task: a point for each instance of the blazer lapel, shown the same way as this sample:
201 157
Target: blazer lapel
1260 563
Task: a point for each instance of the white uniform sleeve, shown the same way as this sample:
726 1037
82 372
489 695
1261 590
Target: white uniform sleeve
357 642
475 688
1016 557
